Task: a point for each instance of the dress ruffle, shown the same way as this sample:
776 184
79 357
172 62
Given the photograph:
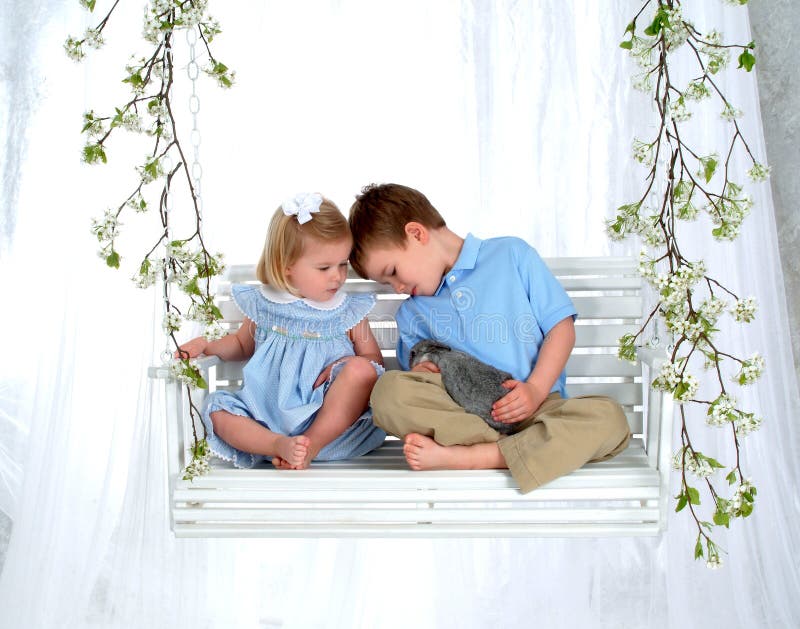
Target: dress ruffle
298 319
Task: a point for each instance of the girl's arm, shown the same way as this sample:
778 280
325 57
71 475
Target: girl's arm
364 343
524 398
237 346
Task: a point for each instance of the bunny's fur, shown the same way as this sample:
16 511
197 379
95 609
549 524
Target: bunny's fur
472 384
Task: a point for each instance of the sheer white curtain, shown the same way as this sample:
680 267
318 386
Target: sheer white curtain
513 118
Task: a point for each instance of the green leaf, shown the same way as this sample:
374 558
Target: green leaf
93 153
659 21
722 519
631 28
747 60
682 502
709 165
698 549
191 287
694 495
627 44
731 478
112 259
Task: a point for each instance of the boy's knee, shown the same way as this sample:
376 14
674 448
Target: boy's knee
615 426
384 398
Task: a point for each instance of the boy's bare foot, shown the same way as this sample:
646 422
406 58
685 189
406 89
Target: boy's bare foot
423 453
291 452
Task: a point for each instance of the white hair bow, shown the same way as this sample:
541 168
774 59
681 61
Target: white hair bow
302 206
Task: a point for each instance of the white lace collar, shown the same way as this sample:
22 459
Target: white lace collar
283 297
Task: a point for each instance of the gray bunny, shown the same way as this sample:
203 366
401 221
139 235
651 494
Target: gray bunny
472 384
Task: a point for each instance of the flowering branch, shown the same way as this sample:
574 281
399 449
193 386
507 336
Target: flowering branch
184 261
689 301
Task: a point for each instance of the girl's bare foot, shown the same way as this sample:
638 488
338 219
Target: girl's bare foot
291 452
423 453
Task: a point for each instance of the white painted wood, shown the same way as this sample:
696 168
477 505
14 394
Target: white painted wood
378 496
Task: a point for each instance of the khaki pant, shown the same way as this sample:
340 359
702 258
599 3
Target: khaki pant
560 437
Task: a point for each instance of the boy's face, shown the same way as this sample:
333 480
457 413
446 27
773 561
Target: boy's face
413 269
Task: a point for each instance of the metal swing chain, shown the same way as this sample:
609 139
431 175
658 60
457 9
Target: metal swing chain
193 71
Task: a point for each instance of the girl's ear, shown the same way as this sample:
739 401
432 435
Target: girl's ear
417 231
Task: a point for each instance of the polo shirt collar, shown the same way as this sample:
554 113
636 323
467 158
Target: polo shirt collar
466 260
469 253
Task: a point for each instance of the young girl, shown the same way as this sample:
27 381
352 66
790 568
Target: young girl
312 357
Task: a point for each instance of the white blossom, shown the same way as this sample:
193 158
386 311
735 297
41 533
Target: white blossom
642 51
721 411
674 379
712 308
745 423
714 561
697 90
751 369
643 152
74 49
214 331
730 112
93 38
643 82
759 172
106 229
744 310
694 464
717 57
676 33
172 322
679 112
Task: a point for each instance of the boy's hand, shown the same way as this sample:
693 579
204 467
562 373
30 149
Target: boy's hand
428 366
522 400
194 348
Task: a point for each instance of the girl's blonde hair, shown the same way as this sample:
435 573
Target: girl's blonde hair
285 239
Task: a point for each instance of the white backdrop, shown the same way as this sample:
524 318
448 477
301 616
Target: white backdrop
513 118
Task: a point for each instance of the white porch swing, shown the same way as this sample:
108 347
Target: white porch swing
377 495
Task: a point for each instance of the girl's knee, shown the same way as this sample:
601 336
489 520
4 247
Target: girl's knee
361 370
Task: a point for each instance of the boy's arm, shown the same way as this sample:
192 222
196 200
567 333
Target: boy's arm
524 398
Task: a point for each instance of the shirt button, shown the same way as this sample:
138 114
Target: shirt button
458 294
452 278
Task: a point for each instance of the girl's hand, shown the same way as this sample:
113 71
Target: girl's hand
326 373
428 366
519 403
194 348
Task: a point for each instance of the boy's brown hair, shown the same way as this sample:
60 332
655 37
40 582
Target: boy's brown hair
380 214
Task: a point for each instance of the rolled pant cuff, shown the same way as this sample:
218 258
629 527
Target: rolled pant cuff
525 477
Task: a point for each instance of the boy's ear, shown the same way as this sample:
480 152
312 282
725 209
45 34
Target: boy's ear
417 231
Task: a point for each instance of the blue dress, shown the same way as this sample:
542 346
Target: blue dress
295 340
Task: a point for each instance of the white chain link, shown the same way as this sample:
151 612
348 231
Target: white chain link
193 71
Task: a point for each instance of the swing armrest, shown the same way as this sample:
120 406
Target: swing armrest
652 358
204 363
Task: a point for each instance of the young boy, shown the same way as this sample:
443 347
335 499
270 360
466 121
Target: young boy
494 299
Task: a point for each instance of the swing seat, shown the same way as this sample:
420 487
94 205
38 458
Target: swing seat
377 495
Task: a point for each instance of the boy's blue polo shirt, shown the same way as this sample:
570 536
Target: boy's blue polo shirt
498 302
